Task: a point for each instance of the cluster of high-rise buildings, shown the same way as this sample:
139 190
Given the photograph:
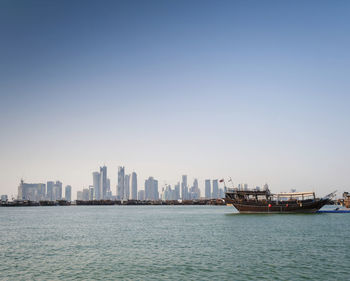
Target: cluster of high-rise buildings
126 189
244 186
51 191
100 188
181 191
126 186
212 189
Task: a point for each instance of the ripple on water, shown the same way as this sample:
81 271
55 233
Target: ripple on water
170 243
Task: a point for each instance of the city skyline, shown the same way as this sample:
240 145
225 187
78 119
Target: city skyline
96 181
151 190
257 91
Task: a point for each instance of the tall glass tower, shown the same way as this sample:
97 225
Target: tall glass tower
184 188
103 182
207 189
133 186
96 184
215 189
120 185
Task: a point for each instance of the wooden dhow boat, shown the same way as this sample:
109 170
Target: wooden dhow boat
256 201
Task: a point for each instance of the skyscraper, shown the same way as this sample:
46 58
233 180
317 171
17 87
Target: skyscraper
168 193
133 186
68 193
57 190
49 190
120 185
221 193
184 188
42 191
195 192
103 182
96 184
243 186
31 191
86 194
207 189
177 191
215 193
109 193
79 195
91 192
151 189
127 187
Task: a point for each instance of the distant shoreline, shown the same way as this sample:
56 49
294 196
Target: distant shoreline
26 203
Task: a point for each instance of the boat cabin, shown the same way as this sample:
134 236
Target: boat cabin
266 195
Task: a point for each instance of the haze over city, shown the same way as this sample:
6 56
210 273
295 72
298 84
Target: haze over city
257 91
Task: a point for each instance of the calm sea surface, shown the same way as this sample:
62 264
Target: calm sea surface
170 243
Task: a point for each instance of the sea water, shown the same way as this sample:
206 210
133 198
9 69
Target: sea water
170 243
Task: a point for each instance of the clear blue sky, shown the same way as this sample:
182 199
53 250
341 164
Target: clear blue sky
255 90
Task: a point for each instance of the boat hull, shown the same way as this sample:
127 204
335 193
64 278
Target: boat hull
284 207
